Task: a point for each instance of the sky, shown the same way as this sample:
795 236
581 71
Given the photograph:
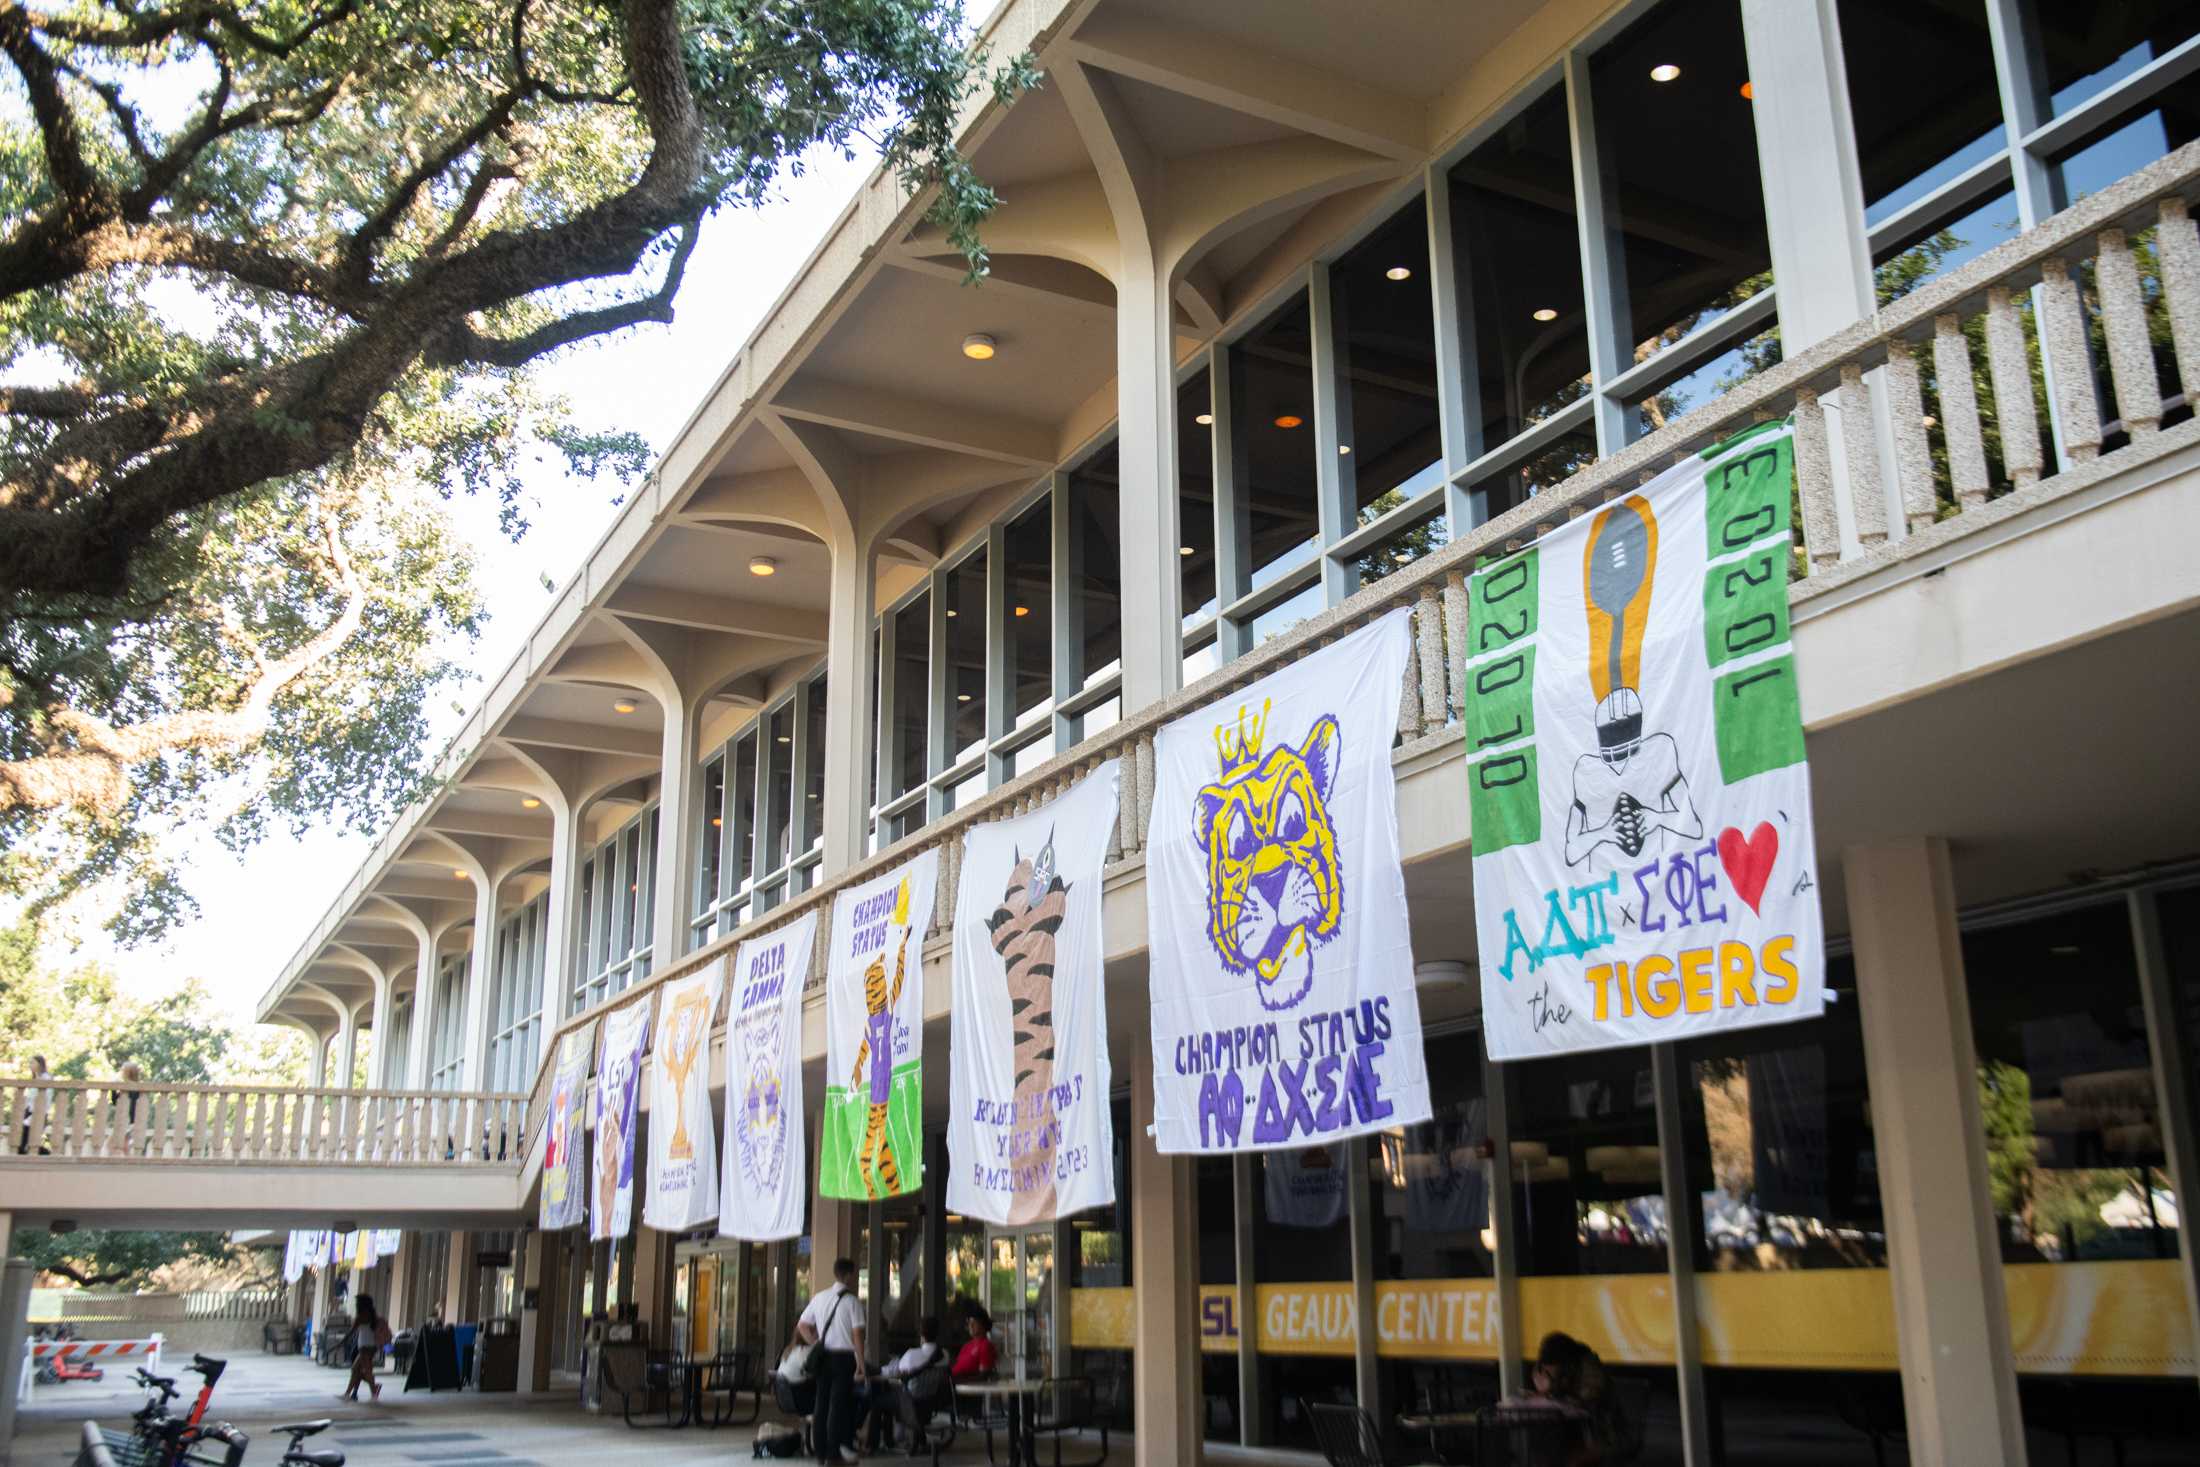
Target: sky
255 909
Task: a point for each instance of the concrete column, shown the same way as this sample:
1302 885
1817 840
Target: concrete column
1165 1364
1145 386
1252 1412
16 1278
653 1284
1360 1210
347 1050
423 1021
675 863
561 917
1959 1383
378 1066
850 735
317 1064
458 1297
536 1283
480 972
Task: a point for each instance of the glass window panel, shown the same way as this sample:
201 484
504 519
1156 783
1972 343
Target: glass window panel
1586 1190
1693 239
1272 427
744 809
1202 660
646 932
1431 1187
1095 633
1903 266
778 785
1099 718
2074 1150
712 835
1424 537
1391 441
630 886
1923 95
964 791
965 590
2086 49
2166 121
912 692
1195 489
1031 755
1287 613
1720 375
1027 546
1519 263
813 765
878 671
1214 1178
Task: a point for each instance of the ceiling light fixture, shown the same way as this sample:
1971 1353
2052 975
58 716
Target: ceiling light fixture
1398 272
1023 611
1548 313
529 802
1343 448
718 820
1205 420
1184 550
462 876
763 565
1289 420
950 611
1749 92
624 705
962 697
1665 72
980 347
786 738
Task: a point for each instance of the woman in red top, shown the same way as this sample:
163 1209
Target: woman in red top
977 1358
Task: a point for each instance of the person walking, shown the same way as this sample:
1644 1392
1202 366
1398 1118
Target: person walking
39 1072
369 1333
833 1322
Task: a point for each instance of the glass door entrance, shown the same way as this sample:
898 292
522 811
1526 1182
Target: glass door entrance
1020 1297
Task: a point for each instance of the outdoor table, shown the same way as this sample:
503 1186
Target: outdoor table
730 1371
1023 1446
1436 1423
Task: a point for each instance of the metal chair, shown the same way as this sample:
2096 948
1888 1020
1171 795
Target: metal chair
925 1408
800 1402
728 1374
1517 1437
1348 1436
1065 1404
632 1371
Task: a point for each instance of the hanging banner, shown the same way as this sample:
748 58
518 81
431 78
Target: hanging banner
766 1140
618 1090
1305 1189
1284 1012
874 1035
1644 862
683 1145
1028 1131
564 1145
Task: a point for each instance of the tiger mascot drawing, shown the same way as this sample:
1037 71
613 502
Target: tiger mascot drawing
1275 890
1024 928
874 1070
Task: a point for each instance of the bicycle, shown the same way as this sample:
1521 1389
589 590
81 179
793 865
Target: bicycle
296 1455
159 1438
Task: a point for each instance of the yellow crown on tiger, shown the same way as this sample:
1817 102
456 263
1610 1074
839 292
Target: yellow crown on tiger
1238 750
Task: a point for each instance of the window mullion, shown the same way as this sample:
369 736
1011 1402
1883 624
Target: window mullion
1602 274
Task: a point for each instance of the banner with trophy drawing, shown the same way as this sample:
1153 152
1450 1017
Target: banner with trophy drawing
1644 862
767 1142
565 1137
873 1144
617 1111
683 1147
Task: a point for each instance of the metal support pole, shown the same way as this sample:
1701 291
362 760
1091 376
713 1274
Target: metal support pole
1680 1247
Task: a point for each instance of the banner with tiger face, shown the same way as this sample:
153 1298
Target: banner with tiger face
1284 1012
873 1144
766 1141
1028 1131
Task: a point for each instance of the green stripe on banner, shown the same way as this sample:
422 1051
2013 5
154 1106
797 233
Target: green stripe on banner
1502 602
848 1118
1501 701
1758 719
1747 497
1745 604
1504 801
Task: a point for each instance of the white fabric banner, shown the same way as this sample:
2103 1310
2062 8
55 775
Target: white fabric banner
873 1144
767 1142
1029 1137
565 1142
1645 867
1284 1012
618 1097
683 1144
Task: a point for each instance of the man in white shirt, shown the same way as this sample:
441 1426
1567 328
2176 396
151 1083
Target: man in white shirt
888 1400
833 1321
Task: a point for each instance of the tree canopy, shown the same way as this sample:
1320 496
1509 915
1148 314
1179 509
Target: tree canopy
272 274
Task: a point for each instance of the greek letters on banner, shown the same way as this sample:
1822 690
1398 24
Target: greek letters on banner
1284 1012
1644 862
618 1089
565 1147
683 1142
874 1035
765 1141
1028 1129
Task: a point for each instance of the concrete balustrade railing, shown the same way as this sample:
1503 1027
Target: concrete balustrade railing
138 1121
2069 300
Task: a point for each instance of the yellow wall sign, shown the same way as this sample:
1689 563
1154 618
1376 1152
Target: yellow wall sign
2114 1318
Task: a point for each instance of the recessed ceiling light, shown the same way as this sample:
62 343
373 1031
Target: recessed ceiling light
1398 272
1184 550
1749 92
1205 420
529 802
624 705
1289 420
1665 72
1343 448
962 697
462 876
718 820
763 565
1548 313
980 347
1023 611
786 738
950 611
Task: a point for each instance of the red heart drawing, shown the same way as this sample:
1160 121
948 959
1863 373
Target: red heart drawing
1748 862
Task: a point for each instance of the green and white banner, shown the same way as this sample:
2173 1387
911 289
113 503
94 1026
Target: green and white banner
1644 862
873 1145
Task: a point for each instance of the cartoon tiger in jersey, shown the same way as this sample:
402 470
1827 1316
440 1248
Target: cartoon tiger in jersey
1024 927
873 1077
1275 888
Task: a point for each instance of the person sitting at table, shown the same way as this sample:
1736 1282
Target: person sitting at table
888 1399
977 1360
1570 1379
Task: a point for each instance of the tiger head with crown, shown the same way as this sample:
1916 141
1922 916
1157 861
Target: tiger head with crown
1275 890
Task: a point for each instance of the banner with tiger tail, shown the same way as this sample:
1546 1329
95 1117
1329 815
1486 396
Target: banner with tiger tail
873 1144
1645 867
683 1141
565 1136
1284 1011
1029 1137
767 1143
